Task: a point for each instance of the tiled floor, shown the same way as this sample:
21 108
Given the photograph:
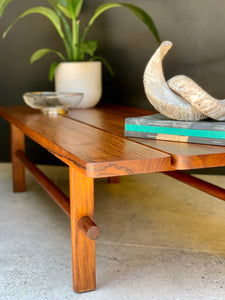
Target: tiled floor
160 240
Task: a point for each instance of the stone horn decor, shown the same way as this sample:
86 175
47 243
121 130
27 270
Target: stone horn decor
197 97
181 98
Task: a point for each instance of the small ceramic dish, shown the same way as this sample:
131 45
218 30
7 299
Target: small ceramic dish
52 103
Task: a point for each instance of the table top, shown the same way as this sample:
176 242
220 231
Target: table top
93 141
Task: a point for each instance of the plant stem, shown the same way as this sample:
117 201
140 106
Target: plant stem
84 33
75 39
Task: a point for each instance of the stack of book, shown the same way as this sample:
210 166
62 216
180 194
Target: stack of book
160 127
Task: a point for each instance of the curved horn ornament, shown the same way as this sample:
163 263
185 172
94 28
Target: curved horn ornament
197 97
161 96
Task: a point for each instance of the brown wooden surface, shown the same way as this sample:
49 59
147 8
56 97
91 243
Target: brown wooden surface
183 155
17 144
91 142
96 152
110 119
89 228
83 249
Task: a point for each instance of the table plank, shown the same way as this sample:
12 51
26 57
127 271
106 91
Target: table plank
183 155
109 118
96 152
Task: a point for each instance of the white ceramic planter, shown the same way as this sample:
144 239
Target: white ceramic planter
80 77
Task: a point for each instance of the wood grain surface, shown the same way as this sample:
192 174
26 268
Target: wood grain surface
183 156
109 120
96 152
83 248
17 144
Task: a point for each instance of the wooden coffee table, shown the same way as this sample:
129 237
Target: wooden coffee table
92 143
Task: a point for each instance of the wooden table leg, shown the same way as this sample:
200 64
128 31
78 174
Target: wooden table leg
83 249
17 143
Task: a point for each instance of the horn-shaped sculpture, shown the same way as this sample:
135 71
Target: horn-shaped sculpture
197 97
181 98
159 94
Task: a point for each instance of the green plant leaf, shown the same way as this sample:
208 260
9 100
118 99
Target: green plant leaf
101 9
3 5
105 62
70 8
144 17
78 7
67 30
47 12
64 3
42 52
52 69
75 6
140 13
65 10
89 47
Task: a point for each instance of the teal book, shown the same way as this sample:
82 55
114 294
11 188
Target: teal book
160 127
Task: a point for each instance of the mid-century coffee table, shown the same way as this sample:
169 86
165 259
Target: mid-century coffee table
92 143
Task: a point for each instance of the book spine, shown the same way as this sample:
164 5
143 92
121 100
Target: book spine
176 131
176 138
201 125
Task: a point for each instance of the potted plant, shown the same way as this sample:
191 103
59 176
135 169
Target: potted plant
78 69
